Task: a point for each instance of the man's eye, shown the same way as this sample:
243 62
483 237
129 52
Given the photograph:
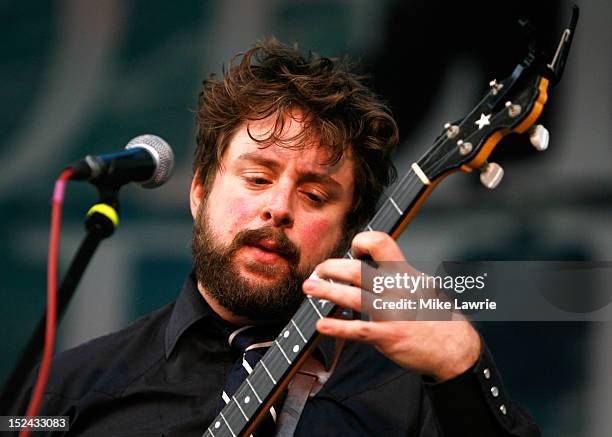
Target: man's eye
314 198
257 180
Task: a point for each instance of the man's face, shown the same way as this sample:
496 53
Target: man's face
272 214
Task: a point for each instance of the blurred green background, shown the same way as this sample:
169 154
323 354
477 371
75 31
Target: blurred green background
82 77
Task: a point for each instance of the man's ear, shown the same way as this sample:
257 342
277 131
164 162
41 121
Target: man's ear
195 194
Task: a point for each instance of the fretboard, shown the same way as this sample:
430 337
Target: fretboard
271 373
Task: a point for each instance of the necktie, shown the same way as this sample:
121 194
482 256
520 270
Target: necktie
251 343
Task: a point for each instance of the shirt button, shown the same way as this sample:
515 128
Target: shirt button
494 391
487 373
502 408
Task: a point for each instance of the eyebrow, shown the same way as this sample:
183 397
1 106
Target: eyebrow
255 158
306 176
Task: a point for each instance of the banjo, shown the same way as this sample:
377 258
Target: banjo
511 105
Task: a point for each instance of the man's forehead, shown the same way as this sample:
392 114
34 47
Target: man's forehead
310 157
313 158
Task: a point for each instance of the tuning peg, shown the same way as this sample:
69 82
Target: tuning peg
539 136
513 110
495 87
464 147
491 175
452 130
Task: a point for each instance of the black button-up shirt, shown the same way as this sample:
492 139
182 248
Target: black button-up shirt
164 374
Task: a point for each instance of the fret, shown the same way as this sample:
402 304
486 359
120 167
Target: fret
234 417
210 432
370 228
261 384
299 331
349 255
306 319
282 352
290 342
227 424
291 336
408 191
399 211
240 408
314 306
254 391
267 371
248 400
276 364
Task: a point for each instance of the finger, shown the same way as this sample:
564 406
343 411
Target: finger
340 294
357 330
343 270
378 245
350 272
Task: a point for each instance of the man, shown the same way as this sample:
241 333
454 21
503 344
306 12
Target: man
292 154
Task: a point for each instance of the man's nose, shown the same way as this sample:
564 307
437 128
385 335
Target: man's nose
278 209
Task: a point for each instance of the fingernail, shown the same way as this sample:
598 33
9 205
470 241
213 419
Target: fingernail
309 285
314 274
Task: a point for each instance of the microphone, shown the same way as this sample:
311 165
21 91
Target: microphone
147 159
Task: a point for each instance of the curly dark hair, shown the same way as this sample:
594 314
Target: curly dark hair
341 113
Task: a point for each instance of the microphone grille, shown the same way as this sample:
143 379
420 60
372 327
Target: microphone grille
163 155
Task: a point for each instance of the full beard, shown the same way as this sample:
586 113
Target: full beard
273 299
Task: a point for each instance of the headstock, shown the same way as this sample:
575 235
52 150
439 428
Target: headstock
510 105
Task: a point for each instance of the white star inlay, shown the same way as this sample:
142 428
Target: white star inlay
483 121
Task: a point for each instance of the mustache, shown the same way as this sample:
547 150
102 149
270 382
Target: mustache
283 244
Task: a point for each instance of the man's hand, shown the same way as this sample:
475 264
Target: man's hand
440 349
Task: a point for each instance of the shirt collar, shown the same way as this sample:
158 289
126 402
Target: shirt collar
188 309
191 307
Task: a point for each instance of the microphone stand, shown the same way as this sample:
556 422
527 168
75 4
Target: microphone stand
101 221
